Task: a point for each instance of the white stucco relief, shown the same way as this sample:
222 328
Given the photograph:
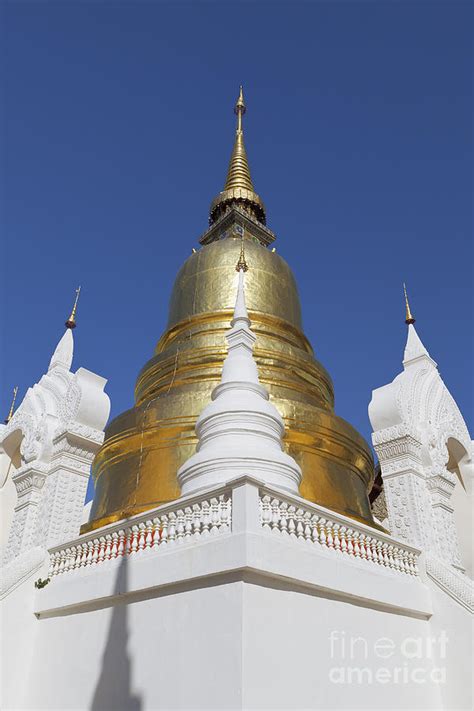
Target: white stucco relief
46 450
425 451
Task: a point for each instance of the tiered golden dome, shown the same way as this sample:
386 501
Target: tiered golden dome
136 467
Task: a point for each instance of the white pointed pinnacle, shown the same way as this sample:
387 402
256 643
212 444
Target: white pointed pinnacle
63 354
239 432
239 366
240 309
415 351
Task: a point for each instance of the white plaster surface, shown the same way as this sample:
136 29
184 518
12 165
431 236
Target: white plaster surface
229 644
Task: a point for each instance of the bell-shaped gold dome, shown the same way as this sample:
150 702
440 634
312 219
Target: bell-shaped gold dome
136 467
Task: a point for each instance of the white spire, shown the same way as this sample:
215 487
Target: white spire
240 309
62 356
415 351
240 432
239 365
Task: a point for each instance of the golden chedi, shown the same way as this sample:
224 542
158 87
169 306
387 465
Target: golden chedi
136 467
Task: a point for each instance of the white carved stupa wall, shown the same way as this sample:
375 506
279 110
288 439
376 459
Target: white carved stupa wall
425 453
46 450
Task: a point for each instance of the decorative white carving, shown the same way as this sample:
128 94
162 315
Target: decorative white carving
457 585
414 418
70 405
21 568
61 421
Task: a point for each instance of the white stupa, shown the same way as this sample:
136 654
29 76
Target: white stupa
240 431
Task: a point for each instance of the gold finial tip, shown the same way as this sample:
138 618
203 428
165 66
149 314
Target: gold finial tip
409 320
240 107
71 322
12 406
242 265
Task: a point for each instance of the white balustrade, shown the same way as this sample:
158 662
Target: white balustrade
335 534
198 517
167 526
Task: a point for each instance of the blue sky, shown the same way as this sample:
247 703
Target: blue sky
118 131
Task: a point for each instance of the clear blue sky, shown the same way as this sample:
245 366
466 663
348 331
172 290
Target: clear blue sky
119 127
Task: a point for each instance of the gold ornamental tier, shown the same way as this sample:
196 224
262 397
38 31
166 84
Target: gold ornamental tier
135 469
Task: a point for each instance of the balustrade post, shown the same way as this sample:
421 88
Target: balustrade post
197 522
156 532
307 526
164 530
356 544
299 523
149 534
90 552
56 562
343 537
115 542
329 535
180 525
72 558
246 508
226 513
214 515
188 522
134 533
141 537
121 543
101 553
266 512
291 521
275 504
108 546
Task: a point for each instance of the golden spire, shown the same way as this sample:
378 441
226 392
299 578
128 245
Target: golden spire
12 406
71 322
408 316
240 108
238 188
238 175
241 265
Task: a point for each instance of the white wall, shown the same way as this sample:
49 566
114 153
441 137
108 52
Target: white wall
237 644
289 655
19 631
174 651
451 620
